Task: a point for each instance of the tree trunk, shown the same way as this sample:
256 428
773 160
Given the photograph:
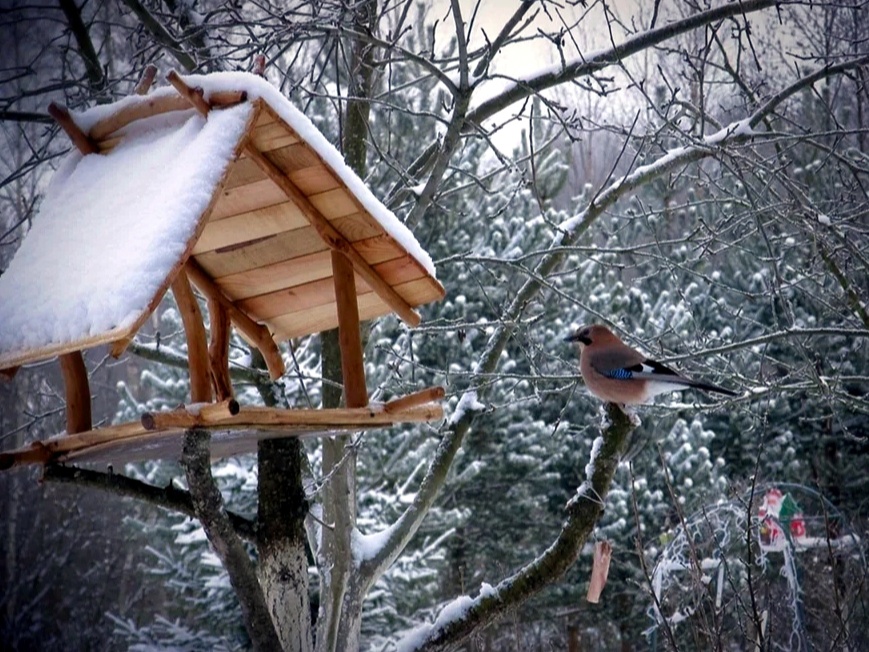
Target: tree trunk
283 563
341 594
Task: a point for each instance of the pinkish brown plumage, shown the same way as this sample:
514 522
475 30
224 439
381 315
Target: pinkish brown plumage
616 373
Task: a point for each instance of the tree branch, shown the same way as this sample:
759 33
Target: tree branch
602 59
408 523
583 512
572 230
168 356
162 35
168 497
95 74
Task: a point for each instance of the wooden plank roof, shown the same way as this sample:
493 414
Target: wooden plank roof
264 238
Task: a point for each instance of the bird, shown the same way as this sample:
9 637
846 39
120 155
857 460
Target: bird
616 373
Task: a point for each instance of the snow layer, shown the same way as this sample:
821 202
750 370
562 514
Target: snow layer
451 612
111 228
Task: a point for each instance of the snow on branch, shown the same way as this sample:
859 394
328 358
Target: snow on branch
376 552
459 619
735 132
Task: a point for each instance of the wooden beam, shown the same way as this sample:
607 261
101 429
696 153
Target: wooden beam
257 333
146 80
421 397
148 107
218 350
35 453
255 422
310 419
79 138
192 95
205 413
333 238
118 347
197 347
144 108
352 367
78 393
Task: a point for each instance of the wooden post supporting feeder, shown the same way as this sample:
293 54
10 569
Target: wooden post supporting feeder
287 246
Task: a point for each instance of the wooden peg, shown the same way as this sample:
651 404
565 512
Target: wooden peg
193 95
147 80
79 138
259 65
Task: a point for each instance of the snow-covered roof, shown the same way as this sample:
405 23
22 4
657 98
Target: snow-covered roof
169 184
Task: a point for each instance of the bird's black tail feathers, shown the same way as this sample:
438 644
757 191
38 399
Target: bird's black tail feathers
709 387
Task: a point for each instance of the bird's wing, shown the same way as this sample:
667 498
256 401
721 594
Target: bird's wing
631 365
655 371
613 362
624 366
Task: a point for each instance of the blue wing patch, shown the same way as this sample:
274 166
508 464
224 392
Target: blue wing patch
619 374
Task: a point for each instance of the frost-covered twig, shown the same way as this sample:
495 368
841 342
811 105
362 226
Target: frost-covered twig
162 35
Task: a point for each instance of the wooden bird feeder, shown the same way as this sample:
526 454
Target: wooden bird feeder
258 212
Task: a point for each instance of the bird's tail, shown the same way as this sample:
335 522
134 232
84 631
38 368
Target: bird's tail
709 387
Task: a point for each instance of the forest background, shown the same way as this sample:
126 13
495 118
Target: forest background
692 173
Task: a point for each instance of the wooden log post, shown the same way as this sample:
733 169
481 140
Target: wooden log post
197 346
78 393
218 350
349 339
256 333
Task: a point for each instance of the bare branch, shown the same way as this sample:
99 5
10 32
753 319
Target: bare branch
168 497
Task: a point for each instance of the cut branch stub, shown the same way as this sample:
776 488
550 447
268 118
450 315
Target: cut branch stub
421 397
147 80
79 138
193 95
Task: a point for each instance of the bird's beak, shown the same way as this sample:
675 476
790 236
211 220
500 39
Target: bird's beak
576 337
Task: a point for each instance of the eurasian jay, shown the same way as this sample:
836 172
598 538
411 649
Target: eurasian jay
616 373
